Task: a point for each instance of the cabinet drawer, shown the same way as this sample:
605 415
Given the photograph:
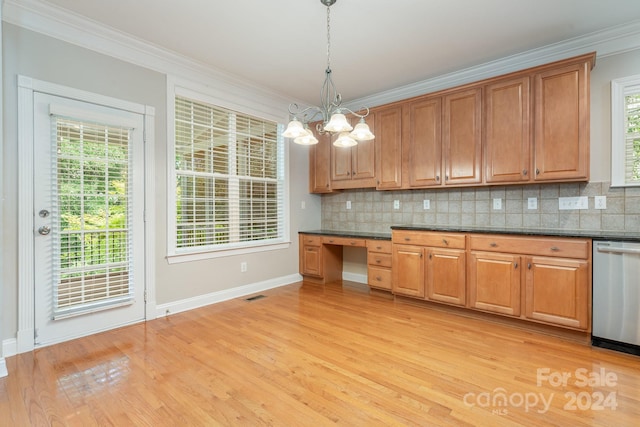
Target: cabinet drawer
344 241
432 239
379 246
379 277
542 246
379 259
311 240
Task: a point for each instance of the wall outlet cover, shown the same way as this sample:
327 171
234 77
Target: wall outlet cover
348 204
600 202
426 204
532 203
497 204
396 204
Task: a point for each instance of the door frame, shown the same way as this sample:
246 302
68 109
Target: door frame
25 338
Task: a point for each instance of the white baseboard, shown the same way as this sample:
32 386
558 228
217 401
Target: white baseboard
9 347
3 368
354 277
227 294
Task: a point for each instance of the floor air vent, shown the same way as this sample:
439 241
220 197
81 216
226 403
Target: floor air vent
253 298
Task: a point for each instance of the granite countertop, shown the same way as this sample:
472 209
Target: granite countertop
591 234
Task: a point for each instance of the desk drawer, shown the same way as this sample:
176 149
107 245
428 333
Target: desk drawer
344 241
311 240
379 246
379 259
379 277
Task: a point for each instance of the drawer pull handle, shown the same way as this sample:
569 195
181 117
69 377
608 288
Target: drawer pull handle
554 248
438 178
379 279
378 261
430 256
354 243
493 244
515 265
445 242
524 172
378 247
407 239
537 171
529 266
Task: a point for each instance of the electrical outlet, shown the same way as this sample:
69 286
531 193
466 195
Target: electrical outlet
532 203
303 205
243 267
426 204
348 204
497 204
570 203
396 204
600 202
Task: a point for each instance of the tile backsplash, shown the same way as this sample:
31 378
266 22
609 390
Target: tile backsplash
373 210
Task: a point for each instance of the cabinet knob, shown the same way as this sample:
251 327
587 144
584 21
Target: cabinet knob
445 242
327 185
348 173
446 177
529 266
524 172
407 239
537 171
379 247
554 248
379 279
378 261
420 254
430 256
515 265
493 244
438 178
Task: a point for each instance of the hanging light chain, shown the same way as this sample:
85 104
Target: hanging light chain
328 37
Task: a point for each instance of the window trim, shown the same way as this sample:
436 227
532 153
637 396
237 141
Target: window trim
201 93
619 89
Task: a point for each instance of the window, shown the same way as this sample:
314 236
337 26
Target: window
625 131
229 179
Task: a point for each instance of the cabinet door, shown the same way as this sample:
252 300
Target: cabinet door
462 137
507 131
446 276
319 164
558 291
388 148
340 164
311 261
562 123
494 282
408 270
363 156
423 144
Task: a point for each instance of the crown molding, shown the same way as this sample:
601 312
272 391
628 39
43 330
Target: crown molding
611 41
43 18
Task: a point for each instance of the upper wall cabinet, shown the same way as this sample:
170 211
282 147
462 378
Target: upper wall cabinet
320 163
462 137
388 131
507 141
422 147
561 134
354 167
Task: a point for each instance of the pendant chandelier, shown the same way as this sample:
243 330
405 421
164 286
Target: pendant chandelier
330 111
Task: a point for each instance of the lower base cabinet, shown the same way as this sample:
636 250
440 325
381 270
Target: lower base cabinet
408 270
494 282
446 276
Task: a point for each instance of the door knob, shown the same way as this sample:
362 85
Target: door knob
44 230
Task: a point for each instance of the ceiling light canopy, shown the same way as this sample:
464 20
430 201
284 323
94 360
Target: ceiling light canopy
331 111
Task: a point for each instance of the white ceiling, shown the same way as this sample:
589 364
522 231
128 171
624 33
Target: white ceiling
376 45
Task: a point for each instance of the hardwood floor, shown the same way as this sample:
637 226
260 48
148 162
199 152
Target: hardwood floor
310 355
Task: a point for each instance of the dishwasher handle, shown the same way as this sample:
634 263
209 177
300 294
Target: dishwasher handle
610 250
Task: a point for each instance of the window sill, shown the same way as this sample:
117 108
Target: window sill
220 253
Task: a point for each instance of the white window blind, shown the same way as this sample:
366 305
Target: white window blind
92 239
229 178
625 131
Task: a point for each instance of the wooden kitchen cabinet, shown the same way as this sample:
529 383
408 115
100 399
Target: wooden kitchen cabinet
379 256
495 282
507 140
558 291
311 256
422 146
320 163
430 265
408 270
462 137
561 130
354 167
320 262
446 276
388 131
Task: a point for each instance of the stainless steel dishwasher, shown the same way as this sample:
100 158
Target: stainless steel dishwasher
616 295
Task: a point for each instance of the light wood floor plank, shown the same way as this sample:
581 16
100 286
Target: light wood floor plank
313 355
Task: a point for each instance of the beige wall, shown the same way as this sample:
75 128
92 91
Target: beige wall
43 58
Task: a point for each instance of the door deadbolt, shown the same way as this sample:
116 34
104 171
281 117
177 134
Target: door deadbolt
43 213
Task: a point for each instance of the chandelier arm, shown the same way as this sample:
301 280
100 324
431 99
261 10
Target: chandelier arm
356 113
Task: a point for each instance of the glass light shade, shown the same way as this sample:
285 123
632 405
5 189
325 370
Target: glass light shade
338 123
345 140
307 139
362 132
294 129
